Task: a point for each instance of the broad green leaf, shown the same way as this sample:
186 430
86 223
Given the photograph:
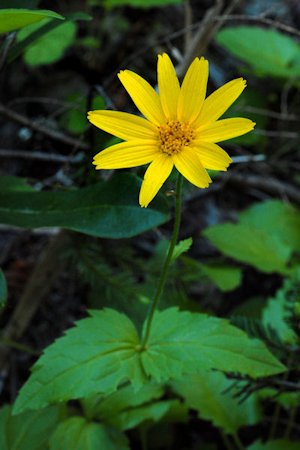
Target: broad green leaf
93 358
182 247
127 407
13 19
3 289
268 52
107 209
280 444
29 431
225 277
140 3
275 217
210 394
252 245
76 433
181 343
124 398
51 46
265 236
152 412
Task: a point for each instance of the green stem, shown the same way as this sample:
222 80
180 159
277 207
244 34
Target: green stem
167 262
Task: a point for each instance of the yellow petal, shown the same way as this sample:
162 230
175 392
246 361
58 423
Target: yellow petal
126 154
193 91
168 86
188 164
219 101
225 129
211 155
123 125
155 176
143 95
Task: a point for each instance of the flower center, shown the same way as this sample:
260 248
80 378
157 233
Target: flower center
174 136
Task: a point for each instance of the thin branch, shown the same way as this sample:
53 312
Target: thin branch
261 19
266 184
56 135
47 157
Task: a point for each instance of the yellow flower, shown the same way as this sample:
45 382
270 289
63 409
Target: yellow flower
180 127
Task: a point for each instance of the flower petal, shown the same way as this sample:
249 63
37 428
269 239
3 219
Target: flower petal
219 101
193 91
155 176
212 156
126 154
123 125
225 129
188 164
168 86
143 95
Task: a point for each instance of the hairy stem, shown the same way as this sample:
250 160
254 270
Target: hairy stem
167 262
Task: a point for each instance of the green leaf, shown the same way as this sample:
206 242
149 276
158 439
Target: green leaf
280 444
280 218
13 19
265 237
268 52
182 247
250 245
76 433
278 311
210 394
29 431
181 343
124 398
51 46
107 209
11 183
128 407
3 289
93 358
225 277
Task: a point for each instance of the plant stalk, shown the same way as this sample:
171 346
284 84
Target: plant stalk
167 262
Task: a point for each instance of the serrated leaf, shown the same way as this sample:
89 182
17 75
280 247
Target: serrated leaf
182 247
128 407
3 289
152 412
29 431
92 358
13 19
268 52
279 444
51 46
76 433
124 398
108 209
275 315
184 343
210 394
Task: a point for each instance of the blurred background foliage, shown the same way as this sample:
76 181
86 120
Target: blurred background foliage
72 238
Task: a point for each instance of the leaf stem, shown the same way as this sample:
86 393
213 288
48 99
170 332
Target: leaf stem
164 273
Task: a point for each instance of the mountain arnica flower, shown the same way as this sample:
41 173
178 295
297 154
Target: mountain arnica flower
180 127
